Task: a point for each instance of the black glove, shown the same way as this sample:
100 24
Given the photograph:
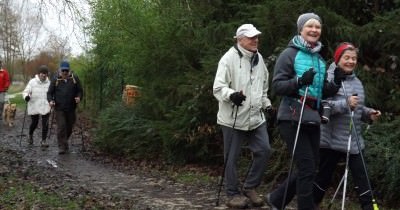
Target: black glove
27 98
340 75
271 111
271 119
237 98
307 77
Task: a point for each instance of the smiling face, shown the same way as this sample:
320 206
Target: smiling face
311 31
348 61
42 76
249 43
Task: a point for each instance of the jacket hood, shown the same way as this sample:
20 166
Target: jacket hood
37 79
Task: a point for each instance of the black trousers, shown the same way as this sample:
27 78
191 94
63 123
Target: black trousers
305 161
35 122
328 162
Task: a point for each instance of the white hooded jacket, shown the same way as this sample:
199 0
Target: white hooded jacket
37 90
234 74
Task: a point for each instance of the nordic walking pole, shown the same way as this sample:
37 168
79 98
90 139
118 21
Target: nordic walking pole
23 124
51 124
374 204
346 171
294 148
336 192
226 159
83 149
345 175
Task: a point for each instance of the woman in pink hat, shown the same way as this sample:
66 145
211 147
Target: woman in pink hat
346 104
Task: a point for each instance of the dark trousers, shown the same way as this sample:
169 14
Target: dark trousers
258 143
305 160
35 122
65 122
1 109
328 162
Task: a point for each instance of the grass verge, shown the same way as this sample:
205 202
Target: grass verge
15 194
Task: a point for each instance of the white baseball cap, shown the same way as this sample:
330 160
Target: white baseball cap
247 30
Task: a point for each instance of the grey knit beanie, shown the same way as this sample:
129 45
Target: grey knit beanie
304 18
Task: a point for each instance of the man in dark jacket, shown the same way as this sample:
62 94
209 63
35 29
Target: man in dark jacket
64 93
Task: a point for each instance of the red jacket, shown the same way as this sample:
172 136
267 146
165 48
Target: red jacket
4 80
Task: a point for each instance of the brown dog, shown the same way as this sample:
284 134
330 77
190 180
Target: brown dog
9 113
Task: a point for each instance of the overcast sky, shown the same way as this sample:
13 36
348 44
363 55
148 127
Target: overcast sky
67 25
61 20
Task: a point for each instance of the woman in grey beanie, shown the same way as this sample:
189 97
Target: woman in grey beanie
300 79
306 17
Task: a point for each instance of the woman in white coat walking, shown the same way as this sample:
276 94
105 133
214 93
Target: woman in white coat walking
35 94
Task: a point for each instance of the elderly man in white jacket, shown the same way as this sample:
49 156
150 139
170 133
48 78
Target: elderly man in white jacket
35 94
241 86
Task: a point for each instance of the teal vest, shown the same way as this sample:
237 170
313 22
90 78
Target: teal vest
303 62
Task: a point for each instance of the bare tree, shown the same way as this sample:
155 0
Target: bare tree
58 47
8 34
23 33
29 30
72 17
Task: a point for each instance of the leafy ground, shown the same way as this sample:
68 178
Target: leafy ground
26 186
32 178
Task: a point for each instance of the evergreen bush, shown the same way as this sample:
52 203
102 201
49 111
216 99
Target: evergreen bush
120 131
383 158
171 49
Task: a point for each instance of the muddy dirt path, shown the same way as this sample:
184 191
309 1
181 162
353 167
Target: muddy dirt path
143 191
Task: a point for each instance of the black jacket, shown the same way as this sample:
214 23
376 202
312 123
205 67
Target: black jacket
63 92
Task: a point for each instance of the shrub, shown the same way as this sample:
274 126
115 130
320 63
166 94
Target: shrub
382 157
121 131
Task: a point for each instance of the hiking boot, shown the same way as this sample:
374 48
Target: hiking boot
30 139
254 198
44 144
270 204
237 202
62 152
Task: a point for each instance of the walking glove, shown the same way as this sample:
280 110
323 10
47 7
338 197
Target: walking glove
307 78
27 98
271 119
237 98
339 76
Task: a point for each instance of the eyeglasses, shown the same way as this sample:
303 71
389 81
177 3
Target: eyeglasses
65 70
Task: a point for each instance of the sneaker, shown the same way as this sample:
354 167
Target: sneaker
30 140
63 151
237 202
270 204
254 198
44 144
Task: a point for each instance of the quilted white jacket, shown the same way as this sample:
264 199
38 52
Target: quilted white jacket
37 90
